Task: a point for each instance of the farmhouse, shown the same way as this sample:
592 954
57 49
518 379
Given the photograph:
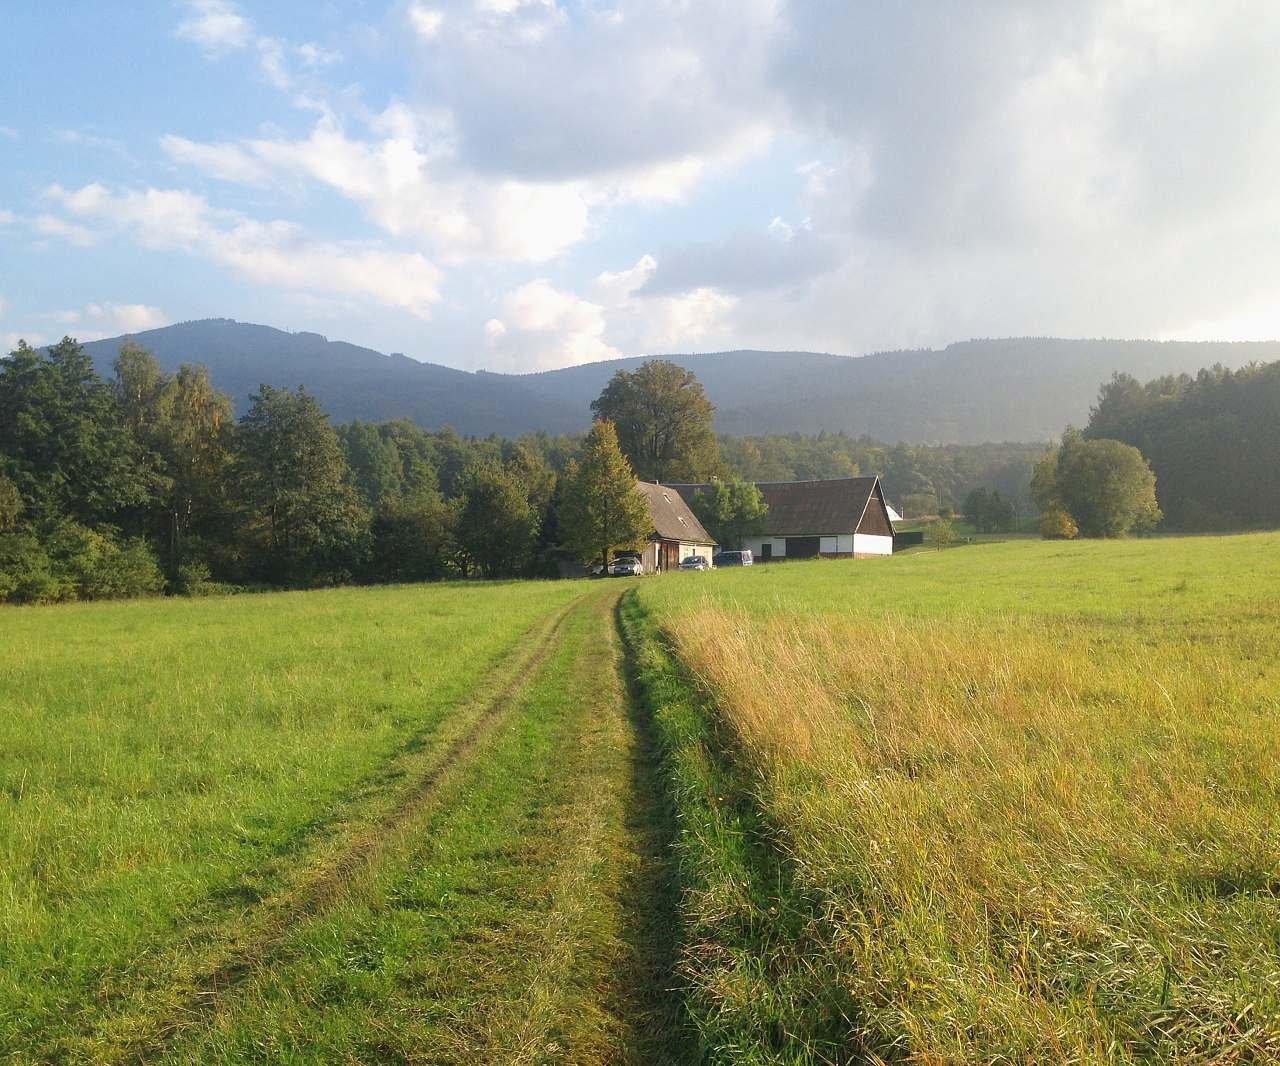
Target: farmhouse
839 518
676 534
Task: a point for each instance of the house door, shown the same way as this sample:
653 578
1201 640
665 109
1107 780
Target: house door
766 551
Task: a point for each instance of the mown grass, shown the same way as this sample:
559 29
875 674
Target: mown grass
500 928
166 767
1009 803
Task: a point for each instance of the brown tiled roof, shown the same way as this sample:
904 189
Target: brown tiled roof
672 519
810 508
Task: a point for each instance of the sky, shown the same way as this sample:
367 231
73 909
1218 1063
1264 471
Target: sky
523 184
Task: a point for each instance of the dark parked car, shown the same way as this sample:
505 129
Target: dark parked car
742 558
695 562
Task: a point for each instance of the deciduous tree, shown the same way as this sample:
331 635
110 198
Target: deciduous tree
301 513
663 420
1106 487
496 523
730 510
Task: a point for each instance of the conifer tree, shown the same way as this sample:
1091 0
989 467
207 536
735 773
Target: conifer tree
601 509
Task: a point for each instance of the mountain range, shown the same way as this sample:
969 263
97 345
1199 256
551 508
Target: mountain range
1024 389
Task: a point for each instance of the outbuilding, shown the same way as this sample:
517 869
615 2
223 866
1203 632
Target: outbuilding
835 518
676 533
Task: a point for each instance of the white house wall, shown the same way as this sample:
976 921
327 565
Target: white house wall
833 544
702 550
867 544
756 546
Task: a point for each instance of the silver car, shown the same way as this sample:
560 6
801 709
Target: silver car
626 566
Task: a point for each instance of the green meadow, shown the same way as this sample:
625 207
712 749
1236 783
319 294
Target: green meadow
1004 802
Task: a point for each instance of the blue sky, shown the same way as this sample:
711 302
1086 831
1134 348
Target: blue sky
519 184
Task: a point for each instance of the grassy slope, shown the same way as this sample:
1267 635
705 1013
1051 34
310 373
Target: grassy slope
1005 802
169 769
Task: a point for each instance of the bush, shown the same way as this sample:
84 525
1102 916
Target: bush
941 533
26 571
1058 525
195 579
97 565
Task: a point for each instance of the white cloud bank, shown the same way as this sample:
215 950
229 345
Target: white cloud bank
276 253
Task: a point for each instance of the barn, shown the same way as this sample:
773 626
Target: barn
676 534
836 518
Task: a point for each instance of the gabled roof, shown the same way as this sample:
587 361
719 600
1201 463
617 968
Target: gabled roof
672 519
811 508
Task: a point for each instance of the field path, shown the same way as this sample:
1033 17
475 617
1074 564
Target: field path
515 903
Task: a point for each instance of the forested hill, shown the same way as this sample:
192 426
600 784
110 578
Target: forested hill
979 390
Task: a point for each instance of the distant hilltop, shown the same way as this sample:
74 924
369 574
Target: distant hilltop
1022 389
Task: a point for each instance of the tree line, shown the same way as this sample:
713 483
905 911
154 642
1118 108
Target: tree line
146 482
1213 441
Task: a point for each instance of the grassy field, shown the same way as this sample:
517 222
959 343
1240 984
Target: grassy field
180 781
1013 802
1001 803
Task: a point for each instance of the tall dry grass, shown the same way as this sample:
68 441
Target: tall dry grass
1028 839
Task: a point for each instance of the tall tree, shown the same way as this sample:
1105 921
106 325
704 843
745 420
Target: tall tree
601 509
299 506
194 440
182 426
496 523
730 510
65 446
663 420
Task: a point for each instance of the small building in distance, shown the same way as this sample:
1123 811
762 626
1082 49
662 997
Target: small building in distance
676 534
836 518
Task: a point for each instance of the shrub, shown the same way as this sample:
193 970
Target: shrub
97 565
26 571
195 579
941 533
1058 525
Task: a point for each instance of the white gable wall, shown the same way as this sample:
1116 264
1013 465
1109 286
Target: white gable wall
867 544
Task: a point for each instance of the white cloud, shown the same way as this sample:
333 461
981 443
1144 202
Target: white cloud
84 139
409 190
218 27
544 327
7 218
409 182
315 55
89 323
215 25
426 21
73 233
276 253
228 162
